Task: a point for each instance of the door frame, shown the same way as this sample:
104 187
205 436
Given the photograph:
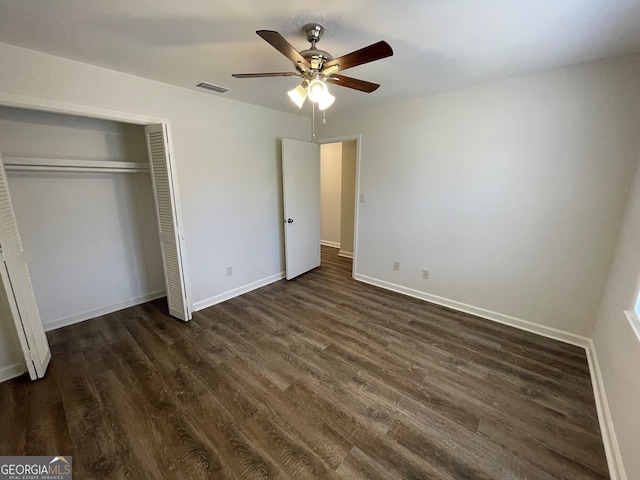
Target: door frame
52 106
357 137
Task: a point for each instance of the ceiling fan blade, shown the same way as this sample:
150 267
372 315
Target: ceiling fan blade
278 42
368 54
354 83
258 75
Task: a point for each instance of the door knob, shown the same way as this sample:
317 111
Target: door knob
289 220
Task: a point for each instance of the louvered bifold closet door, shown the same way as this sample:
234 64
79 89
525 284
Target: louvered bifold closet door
19 290
171 237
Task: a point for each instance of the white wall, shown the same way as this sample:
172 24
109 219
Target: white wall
50 135
227 155
91 239
330 193
511 193
617 346
348 196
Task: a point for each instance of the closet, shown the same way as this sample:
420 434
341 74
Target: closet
87 212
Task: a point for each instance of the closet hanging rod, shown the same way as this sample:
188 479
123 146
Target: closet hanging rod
72 165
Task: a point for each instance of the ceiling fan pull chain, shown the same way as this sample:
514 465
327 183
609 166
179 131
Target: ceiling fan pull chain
313 121
324 116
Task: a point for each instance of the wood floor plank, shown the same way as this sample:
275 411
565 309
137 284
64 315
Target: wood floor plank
394 458
329 445
190 449
463 454
320 377
99 449
284 447
46 414
359 465
522 444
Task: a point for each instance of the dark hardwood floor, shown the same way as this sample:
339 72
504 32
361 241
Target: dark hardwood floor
319 377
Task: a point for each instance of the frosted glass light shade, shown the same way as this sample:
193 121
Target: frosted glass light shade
316 90
326 101
298 95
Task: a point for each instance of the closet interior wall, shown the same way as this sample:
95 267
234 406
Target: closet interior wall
90 237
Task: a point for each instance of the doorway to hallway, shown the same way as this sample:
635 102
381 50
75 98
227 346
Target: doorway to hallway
338 167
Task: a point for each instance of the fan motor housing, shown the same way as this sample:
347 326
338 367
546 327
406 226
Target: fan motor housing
316 57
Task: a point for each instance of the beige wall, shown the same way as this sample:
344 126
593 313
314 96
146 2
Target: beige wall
348 194
330 197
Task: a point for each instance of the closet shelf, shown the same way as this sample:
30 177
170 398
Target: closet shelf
72 165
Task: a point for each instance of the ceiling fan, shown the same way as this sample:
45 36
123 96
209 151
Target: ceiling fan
317 67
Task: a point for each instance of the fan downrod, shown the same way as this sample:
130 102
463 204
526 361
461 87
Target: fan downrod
313 55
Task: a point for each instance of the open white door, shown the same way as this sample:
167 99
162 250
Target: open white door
301 196
165 189
17 285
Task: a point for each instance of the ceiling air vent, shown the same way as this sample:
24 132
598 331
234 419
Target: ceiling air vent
215 88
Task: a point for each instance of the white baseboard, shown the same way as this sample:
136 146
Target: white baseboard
328 243
342 253
81 317
208 302
609 439
12 371
526 325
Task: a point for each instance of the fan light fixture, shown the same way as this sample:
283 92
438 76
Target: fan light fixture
326 101
316 90
298 95
315 66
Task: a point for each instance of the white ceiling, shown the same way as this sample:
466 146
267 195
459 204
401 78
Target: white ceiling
439 45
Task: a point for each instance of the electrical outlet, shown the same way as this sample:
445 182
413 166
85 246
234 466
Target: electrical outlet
425 274
229 271
362 198
396 265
